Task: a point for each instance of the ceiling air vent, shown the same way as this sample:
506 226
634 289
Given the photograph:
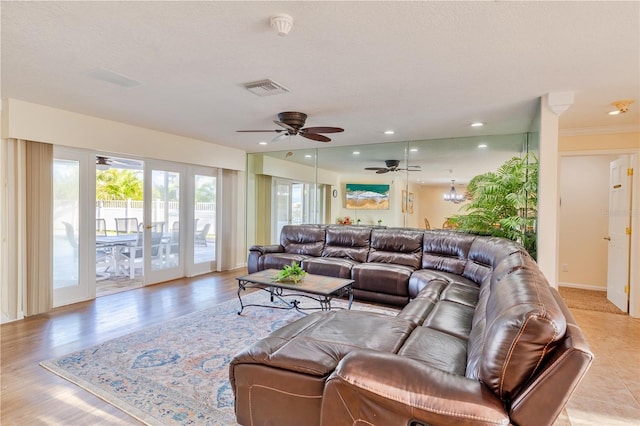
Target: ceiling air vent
265 88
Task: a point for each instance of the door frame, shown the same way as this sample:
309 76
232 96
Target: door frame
634 285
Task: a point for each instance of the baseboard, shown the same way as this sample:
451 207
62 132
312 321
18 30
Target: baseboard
583 286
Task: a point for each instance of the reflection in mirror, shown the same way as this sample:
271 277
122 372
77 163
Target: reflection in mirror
418 174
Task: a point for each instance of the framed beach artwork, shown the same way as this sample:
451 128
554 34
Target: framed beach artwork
365 196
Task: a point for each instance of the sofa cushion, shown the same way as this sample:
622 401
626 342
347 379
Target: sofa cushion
382 278
437 349
329 266
485 253
349 242
307 240
396 246
316 343
423 278
446 251
451 318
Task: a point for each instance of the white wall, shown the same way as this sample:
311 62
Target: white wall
584 201
548 200
24 120
431 204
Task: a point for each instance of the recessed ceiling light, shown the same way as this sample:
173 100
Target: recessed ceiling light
263 143
616 112
308 156
389 132
482 145
356 152
477 124
413 150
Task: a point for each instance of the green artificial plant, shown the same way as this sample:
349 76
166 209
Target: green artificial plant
504 203
290 273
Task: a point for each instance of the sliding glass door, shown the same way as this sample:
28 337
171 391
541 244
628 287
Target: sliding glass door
72 275
203 241
163 252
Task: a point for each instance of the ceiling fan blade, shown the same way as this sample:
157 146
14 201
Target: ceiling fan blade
375 168
379 172
322 130
254 131
280 137
292 129
315 137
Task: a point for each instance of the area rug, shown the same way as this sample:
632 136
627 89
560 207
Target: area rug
176 373
589 300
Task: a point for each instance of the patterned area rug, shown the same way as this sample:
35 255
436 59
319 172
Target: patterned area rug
176 373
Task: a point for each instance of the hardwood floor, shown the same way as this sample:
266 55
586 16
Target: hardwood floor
32 395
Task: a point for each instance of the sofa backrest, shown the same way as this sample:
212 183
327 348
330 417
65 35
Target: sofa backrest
303 239
349 242
485 253
516 326
398 246
446 251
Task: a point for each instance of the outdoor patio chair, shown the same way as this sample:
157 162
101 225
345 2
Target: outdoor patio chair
126 225
101 227
201 235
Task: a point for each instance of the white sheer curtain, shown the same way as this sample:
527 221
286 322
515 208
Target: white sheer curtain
25 225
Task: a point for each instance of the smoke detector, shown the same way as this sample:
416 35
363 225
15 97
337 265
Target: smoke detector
282 24
621 106
266 87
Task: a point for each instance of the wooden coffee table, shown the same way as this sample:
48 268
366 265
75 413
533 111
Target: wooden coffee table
320 288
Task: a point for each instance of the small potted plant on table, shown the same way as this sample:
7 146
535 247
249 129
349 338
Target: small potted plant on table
290 274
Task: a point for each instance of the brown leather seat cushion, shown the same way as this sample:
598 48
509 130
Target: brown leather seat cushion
315 344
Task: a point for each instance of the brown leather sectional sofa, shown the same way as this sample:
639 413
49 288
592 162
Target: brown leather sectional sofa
482 339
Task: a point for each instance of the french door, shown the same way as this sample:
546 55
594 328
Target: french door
162 221
202 244
73 270
178 224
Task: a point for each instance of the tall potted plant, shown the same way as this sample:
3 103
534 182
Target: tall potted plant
504 203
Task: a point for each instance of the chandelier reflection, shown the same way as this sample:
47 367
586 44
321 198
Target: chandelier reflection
452 195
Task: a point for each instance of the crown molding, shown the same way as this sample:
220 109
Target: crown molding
631 128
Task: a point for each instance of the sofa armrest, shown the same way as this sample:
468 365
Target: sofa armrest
256 252
380 388
273 248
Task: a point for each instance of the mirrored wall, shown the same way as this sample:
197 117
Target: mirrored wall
399 184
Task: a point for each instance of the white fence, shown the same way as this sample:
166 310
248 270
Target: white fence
205 213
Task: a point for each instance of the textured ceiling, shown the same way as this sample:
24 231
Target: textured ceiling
424 69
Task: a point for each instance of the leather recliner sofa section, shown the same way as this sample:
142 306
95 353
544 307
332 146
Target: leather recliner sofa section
483 340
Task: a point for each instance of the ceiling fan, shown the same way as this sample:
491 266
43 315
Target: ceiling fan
392 166
104 163
292 122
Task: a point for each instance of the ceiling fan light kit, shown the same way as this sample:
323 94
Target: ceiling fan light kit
102 163
282 24
621 106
